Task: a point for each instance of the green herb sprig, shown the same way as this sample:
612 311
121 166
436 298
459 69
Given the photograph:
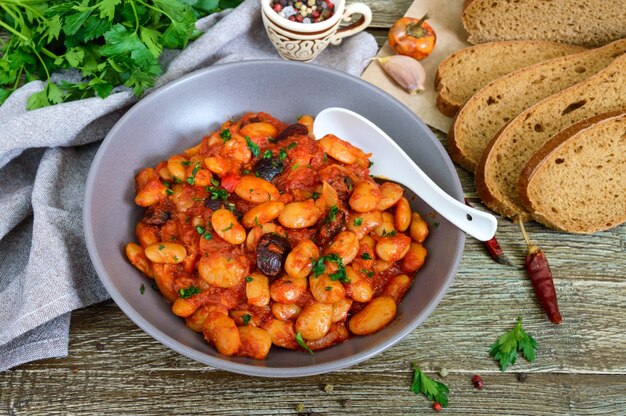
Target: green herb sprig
109 42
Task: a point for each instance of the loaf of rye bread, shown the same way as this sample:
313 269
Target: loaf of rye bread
502 162
577 22
499 102
466 71
576 181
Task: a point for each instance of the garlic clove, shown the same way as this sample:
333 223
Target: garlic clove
405 71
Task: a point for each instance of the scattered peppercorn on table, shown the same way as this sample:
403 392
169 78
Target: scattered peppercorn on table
113 367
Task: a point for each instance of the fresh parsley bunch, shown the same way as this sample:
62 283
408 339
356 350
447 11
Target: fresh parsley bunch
110 42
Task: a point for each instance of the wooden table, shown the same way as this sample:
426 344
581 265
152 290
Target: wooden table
114 367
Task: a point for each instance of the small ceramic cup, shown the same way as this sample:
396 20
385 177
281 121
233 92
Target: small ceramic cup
304 41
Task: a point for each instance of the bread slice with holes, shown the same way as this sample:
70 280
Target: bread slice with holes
502 162
503 99
576 181
466 71
577 22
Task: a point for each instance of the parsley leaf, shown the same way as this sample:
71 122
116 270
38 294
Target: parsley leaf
282 154
225 135
432 389
301 343
267 154
358 221
319 268
142 289
246 319
254 148
332 213
366 256
315 196
506 348
228 228
192 179
188 291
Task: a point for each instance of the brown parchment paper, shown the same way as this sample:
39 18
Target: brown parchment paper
445 18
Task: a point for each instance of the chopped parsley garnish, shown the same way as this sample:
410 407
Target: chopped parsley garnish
358 221
301 343
368 274
319 268
161 246
389 234
325 157
366 256
371 164
246 319
436 224
175 258
217 193
169 192
176 180
225 135
295 166
282 155
231 207
188 291
142 289
192 179
246 171
292 145
328 288
186 162
154 286
332 213
256 222
315 196
254 148
249 279
267 154
229 227
204 233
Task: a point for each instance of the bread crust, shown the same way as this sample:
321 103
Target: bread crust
455 152
474 12
542 156
508 204
450 106
485 193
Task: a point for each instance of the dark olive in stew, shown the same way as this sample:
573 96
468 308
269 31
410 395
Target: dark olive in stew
271 253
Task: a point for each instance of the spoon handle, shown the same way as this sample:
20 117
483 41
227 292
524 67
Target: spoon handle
478 224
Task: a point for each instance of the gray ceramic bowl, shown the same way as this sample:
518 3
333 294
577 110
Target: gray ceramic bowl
176 117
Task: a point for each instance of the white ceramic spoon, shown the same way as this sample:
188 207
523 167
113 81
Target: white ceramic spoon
392 163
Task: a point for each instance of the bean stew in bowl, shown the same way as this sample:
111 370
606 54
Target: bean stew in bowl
271 252
262 236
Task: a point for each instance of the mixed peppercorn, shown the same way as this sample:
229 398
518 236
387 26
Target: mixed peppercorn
304 11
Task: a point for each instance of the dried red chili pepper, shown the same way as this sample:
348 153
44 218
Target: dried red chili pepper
494 249
541 278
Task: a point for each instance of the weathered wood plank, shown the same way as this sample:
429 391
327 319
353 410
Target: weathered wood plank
385 12
141 391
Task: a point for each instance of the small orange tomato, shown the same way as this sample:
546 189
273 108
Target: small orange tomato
412 37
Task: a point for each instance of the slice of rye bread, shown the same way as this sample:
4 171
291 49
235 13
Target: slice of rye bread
466 71
577 22
502 162
503 99
576 181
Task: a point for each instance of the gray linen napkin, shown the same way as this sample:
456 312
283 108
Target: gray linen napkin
45 155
